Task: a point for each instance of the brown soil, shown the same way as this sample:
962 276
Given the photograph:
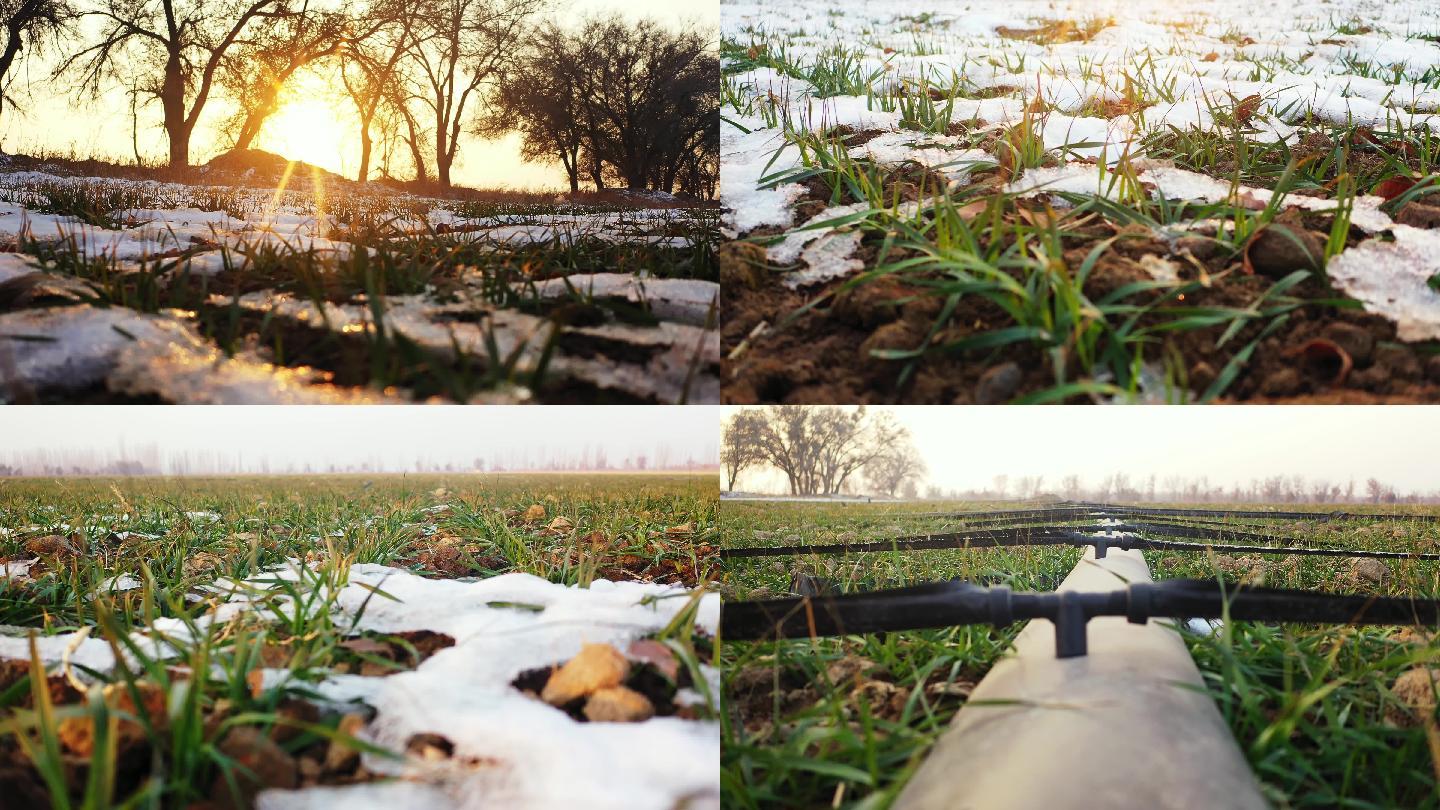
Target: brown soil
774 352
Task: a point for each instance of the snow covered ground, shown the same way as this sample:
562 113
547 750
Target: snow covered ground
510 750
1371 63
182 234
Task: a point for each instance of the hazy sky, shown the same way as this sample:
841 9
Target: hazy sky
356 434
965 447
319 127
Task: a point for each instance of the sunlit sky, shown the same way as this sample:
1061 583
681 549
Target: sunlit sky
318 126
356 434
965 447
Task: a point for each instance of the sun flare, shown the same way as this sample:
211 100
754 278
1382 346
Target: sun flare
311 129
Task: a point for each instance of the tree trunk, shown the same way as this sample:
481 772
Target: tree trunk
366 144
442 158
421 174
255 119
172 100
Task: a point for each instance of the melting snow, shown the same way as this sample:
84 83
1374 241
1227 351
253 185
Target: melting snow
531 755
1394 279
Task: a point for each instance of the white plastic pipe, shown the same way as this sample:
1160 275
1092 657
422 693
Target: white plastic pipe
1126 727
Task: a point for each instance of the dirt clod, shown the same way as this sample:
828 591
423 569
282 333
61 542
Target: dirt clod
743 264
1357 341
1365 571
1418 215
1284 246
1282 382
1416 690
259 763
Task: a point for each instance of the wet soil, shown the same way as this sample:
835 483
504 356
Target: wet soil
815 345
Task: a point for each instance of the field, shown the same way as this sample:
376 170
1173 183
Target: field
844 722
1081 202
319 290
374 640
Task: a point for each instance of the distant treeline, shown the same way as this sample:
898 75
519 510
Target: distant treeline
618 104
1128 488
152 460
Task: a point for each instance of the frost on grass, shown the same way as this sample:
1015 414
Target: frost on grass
1396 279
510 750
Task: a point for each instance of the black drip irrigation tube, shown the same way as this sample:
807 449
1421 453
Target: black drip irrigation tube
1123 536
1320 516
954 603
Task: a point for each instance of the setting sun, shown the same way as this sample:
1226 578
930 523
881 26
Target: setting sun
311 129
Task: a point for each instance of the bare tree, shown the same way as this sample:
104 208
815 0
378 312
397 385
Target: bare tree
1070 486
258 67
179 44
29 24
819 448
898 466
541 98
1375 489
651 102
370 72
462 50
740 445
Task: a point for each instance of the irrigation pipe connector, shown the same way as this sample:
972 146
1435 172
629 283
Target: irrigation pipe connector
1128 727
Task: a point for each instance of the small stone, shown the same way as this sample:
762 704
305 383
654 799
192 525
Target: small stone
201 562
1355 340
1373 378
618 704
998 384
656 654
598 666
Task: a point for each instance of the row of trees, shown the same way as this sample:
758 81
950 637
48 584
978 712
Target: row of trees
1123 487
821 450
616 104
152 459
